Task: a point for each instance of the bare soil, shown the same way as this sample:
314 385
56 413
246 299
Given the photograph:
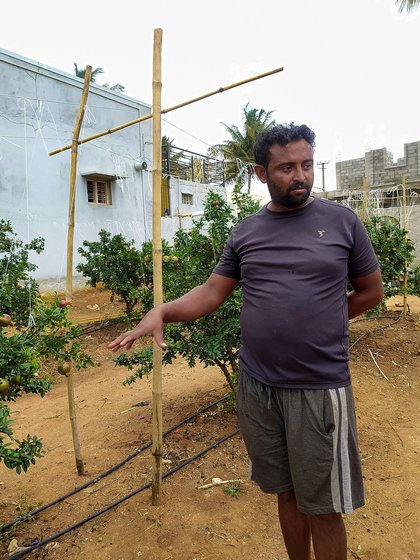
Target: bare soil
193 523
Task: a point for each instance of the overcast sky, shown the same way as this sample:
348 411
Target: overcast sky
350 67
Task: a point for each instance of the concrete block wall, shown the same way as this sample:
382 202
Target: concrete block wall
350 173
379 168
383 173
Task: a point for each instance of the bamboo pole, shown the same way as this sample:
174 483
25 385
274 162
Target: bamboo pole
72 191
157 263
74 427
364 200
404 220
169 109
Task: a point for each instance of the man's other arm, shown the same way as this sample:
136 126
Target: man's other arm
367 292
200 301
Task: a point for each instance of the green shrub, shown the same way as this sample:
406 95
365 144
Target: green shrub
393 249
17 285
413 281
213 340
115 264
31 330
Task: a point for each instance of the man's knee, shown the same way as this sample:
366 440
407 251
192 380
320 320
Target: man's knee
286 498
324 519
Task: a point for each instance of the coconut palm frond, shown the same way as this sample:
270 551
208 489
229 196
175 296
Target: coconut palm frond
407 5
237 151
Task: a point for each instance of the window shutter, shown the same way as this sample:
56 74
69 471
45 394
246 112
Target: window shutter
90 191
101 188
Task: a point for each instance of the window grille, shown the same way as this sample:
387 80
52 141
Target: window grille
186 198
99 192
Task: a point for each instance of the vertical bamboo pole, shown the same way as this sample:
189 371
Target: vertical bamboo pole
157 263
69 276
364 200
72 191
74 427
404 220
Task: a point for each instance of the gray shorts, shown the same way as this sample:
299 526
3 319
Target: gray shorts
303 440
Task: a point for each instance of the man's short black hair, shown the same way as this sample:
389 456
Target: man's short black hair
281 134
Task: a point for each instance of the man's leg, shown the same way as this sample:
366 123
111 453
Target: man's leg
325 464
295 527
329 536
328 532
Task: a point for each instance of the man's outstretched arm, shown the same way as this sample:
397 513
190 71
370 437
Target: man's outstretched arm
367 292
200 301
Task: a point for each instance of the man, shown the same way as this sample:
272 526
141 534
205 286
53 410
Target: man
293 260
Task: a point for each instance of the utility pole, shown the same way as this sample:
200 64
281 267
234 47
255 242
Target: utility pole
323 165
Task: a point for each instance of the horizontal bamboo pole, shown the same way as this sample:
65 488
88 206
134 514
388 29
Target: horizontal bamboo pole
222 90
178 106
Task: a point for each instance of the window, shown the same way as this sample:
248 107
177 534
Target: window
99 192
186 198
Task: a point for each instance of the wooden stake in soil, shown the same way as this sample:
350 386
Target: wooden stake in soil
74 428
404 220
364 200
69 275
157 263
72 191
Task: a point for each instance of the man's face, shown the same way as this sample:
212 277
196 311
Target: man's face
289 175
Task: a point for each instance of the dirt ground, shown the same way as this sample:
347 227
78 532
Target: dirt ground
194 523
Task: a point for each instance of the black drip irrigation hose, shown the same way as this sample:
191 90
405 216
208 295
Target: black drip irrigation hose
184 463
376 330
375 318
34 512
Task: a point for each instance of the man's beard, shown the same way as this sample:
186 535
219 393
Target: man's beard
289 200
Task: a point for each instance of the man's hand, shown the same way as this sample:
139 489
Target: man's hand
196 303
150 325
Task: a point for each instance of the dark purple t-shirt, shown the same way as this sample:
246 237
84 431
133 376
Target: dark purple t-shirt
293 268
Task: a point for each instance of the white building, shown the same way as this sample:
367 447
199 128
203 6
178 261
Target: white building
38 109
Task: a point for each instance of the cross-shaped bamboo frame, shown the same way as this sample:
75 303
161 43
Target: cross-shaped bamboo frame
156 115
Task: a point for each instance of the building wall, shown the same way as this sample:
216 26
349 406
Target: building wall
180 212
354 199
38 110
379 169
350 173
383 175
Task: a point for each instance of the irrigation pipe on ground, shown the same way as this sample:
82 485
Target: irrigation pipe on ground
375 330
27 550
184 463
115 467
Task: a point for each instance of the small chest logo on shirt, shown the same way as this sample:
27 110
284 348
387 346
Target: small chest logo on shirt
321 232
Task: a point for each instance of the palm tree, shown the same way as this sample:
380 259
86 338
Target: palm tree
174 160
166 141
238 150
80 72
407 5
117 87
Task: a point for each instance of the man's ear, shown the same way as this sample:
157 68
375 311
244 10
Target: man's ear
260 173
